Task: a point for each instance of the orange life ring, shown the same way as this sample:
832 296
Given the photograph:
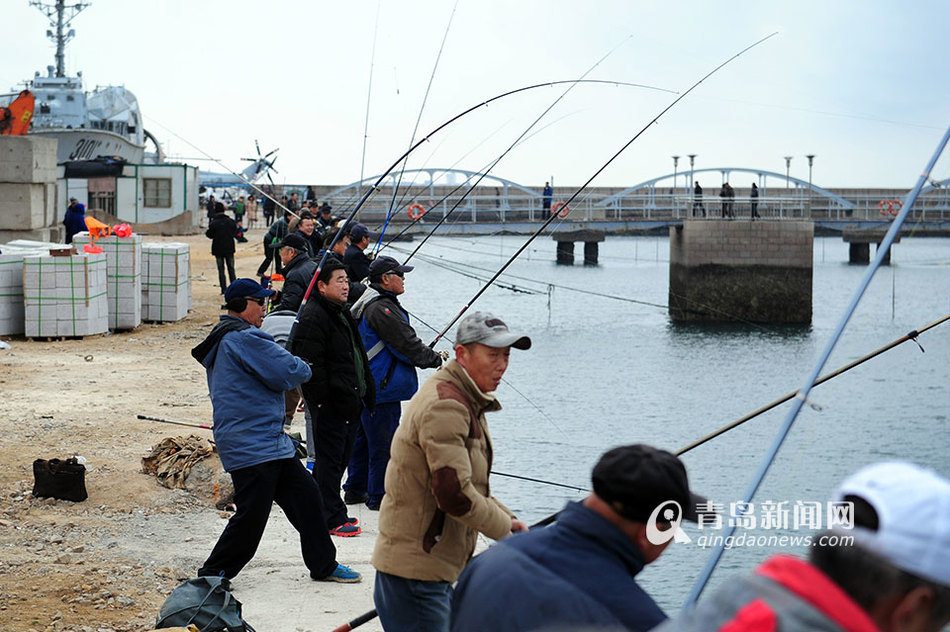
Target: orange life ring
416 211
896 206
882 204
560 209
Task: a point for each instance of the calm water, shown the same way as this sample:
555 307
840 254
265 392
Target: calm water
605 371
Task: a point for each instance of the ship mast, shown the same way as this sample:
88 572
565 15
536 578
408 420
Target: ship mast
56 13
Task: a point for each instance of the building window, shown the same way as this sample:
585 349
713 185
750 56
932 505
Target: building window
158 192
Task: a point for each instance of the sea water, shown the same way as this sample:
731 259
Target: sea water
608 367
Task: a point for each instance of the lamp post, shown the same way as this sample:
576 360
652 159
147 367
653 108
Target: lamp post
692 159
676 160
788 165
811 159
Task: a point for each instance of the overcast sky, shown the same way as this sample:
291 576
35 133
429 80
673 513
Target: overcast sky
862 85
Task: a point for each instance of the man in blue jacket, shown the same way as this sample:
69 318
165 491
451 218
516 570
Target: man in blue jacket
581 572
247 375
394 351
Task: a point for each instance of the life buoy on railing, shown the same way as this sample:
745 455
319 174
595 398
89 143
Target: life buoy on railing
416 211
560 209
885 207
896 206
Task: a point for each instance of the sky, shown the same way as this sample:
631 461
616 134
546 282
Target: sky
338 87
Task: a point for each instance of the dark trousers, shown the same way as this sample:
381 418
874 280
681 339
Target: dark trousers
357 472
222 261
333 442
379 428
287 483
269 255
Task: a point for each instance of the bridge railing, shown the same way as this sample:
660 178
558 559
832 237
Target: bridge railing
646 206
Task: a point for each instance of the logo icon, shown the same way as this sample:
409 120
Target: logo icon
668 511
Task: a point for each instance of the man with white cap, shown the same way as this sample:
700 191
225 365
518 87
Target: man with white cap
894 576
437 494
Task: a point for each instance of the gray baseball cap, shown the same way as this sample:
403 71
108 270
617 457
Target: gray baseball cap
489 330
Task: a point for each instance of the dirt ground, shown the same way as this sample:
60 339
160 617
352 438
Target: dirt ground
107 564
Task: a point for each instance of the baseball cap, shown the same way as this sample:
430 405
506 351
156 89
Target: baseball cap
913 510
488 330
386 265
295 241
637 479
358 231
246 288
325 207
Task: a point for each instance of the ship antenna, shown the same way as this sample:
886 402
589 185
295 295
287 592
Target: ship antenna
56 13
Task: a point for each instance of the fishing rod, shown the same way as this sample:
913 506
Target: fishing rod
554 216
912 335
178 423
350 217
802 395
415 129
482 176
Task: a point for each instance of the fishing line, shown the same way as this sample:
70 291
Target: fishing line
225 167
802 395
369 94
415 129
591 179
350 217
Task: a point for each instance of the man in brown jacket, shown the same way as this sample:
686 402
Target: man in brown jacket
437 495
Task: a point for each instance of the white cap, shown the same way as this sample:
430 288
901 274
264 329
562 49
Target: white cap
913 509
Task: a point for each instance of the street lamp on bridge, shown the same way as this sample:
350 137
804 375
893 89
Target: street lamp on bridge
811 159
692 158
788 165
676 160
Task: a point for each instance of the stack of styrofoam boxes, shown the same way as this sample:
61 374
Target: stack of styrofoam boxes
124 271
65 296
11 283
28 188
166 281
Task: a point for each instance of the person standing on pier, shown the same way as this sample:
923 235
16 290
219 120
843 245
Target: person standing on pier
546 196
754 200
698 199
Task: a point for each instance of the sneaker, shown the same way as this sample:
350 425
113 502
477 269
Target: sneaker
343 575
372 506
346 531
352 521
355 498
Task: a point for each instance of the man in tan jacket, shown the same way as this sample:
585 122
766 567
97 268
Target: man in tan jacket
437 495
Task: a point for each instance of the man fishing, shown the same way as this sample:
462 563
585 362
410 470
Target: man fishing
247 375
437 494
581 572
394 351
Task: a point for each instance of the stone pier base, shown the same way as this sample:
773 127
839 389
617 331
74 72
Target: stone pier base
741 271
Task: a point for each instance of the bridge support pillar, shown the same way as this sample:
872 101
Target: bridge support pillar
859 253
859 245
565 245
741 271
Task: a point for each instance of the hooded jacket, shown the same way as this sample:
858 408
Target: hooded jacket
75 220
395 348
437 495
247 375
222 231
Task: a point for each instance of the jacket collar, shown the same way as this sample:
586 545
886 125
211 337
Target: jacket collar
816 588
483 402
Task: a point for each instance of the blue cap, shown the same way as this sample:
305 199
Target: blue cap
244 288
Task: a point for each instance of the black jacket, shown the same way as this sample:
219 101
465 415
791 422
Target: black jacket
222 231
326 338
356 262
297 275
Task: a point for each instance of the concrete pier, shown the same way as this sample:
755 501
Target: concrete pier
565 245
728 271
859 245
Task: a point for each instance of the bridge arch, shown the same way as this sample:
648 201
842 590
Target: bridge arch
689 179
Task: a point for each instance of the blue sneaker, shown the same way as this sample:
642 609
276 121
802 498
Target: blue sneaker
346 530
343 575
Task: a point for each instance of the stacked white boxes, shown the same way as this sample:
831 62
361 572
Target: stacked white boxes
124 277
11 283
166 281
65 296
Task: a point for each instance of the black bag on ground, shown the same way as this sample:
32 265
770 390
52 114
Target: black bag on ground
205 602
56 478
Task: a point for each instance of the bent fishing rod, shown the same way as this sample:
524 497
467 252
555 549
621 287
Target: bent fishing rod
352 214
573 196
802 395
